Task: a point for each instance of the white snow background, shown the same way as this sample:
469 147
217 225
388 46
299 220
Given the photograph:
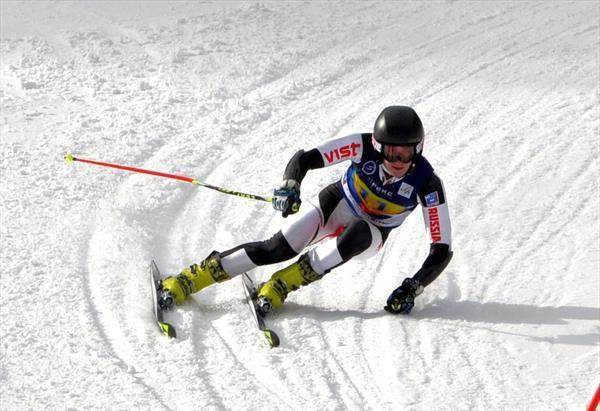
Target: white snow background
227 92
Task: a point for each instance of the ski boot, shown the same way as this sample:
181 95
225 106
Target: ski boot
174 290
273 293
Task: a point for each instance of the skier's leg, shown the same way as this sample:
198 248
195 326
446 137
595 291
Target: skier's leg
218 267
285 244
299 230
310 225
359 239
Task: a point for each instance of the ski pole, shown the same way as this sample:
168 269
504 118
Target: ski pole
593 405
70 158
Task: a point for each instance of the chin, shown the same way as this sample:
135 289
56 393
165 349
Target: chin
399 173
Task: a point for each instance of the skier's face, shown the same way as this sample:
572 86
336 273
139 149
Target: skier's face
397 159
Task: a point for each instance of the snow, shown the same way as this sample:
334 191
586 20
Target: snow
226 92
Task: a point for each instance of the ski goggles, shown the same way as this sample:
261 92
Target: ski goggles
402 158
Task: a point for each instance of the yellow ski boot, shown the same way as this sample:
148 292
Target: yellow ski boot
193 279
273 293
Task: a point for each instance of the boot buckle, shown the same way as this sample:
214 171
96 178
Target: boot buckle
263 306
166 300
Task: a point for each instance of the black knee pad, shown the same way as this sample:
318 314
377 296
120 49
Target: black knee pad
274 250
355 239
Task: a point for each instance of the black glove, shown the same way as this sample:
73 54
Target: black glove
402 299
286 198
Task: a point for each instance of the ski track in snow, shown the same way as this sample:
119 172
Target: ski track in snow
509 95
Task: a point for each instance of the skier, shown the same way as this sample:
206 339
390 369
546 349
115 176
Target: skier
387 177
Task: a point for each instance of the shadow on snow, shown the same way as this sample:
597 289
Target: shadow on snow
474 312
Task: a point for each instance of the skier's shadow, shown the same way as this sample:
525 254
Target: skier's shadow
488 313
503 313
294 310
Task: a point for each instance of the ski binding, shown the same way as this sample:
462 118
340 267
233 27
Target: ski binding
155 280
251 300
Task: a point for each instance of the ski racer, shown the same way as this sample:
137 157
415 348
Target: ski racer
387 177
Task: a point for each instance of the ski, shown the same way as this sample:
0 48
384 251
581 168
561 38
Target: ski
250 291
155 278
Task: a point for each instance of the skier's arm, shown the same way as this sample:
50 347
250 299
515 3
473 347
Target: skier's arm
286 197
437 260
437 223
329 153
301 162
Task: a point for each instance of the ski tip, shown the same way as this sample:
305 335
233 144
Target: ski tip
168 330
272 338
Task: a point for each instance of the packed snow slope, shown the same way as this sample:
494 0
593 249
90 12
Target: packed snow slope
226 93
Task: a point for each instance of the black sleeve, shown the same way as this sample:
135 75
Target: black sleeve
301 162
432 195
433 185
438 258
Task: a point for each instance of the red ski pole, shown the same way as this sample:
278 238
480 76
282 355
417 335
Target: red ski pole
595 400
69 158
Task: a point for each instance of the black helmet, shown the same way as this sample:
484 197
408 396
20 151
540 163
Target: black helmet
398 126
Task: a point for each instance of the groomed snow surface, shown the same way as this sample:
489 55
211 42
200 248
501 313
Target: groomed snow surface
227 92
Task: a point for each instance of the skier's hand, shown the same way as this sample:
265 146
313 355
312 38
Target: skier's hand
286 197
402 299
